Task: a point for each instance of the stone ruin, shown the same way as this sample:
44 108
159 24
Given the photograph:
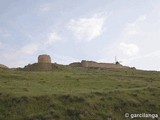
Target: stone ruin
44 64
44 59
93 64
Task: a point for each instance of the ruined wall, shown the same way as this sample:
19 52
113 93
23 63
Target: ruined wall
44 64
89 64
75 64
39 67
100 65
3 66
111 65
44 59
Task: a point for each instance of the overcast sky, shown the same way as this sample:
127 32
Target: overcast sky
75 30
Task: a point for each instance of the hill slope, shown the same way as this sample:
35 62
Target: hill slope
78 94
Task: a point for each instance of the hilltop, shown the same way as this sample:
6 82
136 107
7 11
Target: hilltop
3 66
77 93
45 64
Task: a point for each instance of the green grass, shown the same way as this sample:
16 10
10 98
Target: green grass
78 94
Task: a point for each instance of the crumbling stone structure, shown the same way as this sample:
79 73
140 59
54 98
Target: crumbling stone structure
75 64
44 64
44 59
93 64
39 67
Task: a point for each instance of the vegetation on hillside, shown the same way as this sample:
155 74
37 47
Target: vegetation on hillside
78 94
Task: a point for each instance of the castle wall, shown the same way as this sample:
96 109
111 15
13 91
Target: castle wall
44 64
75 64
44 59
110 65
89 64
39 67
100 65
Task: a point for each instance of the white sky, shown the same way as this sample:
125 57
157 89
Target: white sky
75 30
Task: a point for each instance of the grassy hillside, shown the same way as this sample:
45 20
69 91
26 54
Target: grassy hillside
78 94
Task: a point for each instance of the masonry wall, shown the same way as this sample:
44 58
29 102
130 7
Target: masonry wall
89 64
100 65
110 65
44 59
75 64
39 67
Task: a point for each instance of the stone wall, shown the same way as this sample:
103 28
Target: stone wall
39 67
44 64
85 63
89 64
75 64
44 59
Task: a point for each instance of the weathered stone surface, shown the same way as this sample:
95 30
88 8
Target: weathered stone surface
44 58
75 64
85 63
39 67
44 64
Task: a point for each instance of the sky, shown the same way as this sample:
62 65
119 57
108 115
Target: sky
74 30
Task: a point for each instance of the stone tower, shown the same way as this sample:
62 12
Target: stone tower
44 58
